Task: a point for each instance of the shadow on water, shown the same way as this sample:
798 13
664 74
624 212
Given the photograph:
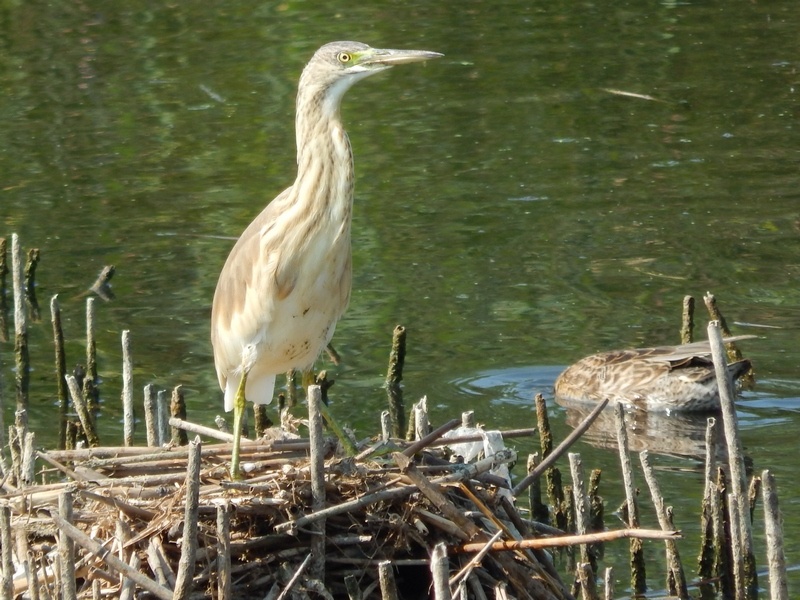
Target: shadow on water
679 435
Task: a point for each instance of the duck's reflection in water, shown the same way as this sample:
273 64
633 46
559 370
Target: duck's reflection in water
681 435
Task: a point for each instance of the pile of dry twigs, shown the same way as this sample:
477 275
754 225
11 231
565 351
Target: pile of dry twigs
398 521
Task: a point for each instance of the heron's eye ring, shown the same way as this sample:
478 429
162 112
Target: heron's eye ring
343 57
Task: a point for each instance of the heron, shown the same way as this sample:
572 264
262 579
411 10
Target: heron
287 280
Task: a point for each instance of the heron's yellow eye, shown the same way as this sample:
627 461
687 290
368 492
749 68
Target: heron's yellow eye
344 57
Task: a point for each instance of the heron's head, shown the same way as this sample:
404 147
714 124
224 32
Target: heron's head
338 65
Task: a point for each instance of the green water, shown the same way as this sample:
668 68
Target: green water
513 211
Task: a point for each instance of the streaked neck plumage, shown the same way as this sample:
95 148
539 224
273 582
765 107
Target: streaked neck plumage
324 156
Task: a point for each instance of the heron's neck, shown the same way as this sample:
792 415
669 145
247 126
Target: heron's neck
324 157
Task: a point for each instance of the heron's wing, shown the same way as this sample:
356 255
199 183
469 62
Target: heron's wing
239 307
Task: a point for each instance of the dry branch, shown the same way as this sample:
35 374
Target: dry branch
571 540
112 561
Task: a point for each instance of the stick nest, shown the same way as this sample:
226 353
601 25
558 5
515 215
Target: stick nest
260 531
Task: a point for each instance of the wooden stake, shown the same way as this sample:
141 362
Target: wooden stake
581 500
61 371
539 510
608 580
16 435
162 418
706 559
585 577
676 582
711 455
596 511
476 588
183 580
687 322
28 467
440 572
723 551
151 415
735 459
66 549
128 417
321 379
3 288
177 410
91 354
735 516
422 424
386 578
317 565
23 361
773 527
638 572
716 315
543 422
353 590
568 508
753 492
501 591
30 283
28 563
746 381
7 575
386 425
89 394
261 420
224 550
394 376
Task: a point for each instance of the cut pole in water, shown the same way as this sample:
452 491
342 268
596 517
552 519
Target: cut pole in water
394 376
23 363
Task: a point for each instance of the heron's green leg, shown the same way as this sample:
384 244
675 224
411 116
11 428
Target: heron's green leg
348 445
239 403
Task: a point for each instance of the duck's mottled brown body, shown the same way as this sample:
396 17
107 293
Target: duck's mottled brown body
668 378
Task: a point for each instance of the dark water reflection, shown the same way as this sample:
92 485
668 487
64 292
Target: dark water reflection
511 211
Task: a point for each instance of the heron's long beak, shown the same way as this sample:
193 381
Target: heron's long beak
391 58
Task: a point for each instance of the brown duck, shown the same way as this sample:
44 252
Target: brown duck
666 378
